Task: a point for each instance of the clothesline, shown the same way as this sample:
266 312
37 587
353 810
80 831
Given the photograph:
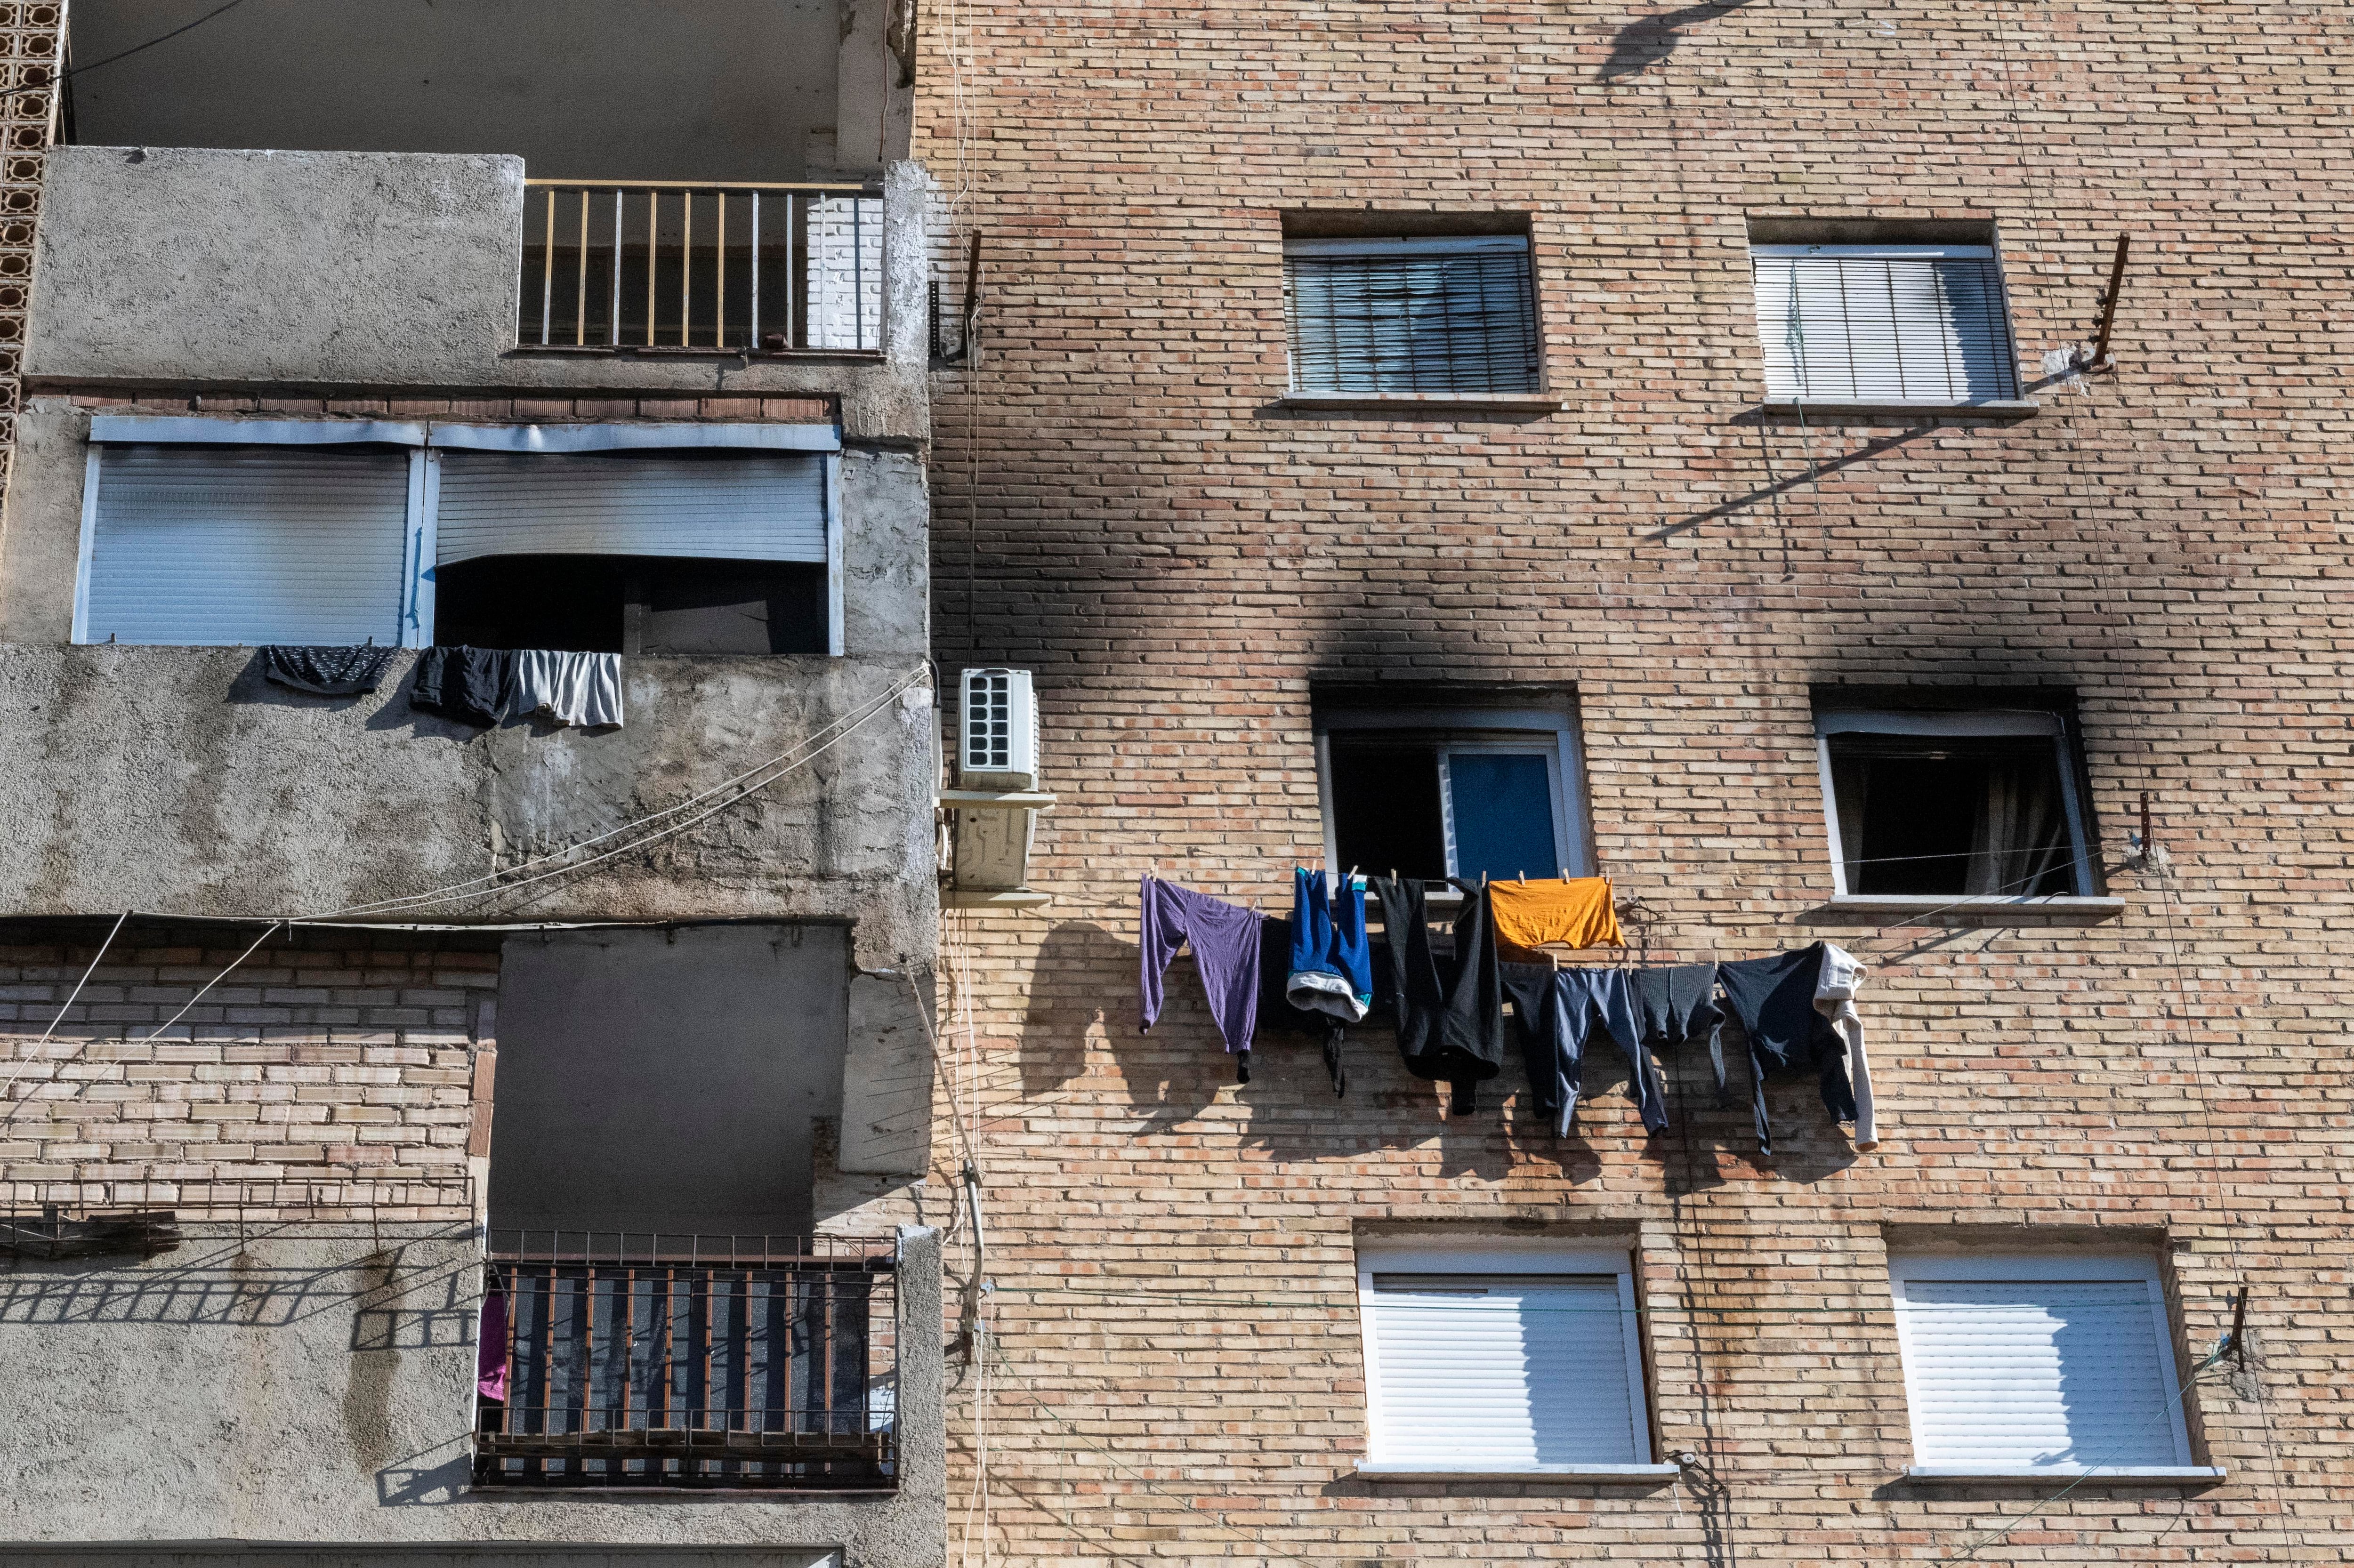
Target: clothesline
1795 1008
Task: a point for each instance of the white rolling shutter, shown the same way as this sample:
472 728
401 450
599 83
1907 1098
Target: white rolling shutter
1452 314
756 507
223 545
1895 323
2008 1374
1487 1373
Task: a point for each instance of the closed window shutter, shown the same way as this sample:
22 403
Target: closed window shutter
221 544
2006 1374
1883 324
1414 316
1489 1372
755 508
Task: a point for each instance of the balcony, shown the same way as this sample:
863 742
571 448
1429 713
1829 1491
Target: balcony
691 1362
752 269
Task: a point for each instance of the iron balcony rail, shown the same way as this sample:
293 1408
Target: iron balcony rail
697 1362
702 266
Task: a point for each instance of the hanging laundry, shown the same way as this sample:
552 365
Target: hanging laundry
490 1346
1775 999
1559 1012
1225 938
469 684
327 672
1575 913
1677 1002
1450 1014
1835 990
583 689
1276 1012
1331 964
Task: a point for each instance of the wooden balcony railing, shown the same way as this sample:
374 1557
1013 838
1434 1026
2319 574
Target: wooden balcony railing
701 1362
704 267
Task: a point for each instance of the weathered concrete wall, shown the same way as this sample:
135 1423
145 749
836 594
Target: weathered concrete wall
186 266
310 1386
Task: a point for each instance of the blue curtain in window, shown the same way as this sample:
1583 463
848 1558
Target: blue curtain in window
1502 808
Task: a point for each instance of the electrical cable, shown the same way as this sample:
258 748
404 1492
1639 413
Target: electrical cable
159 39
70 999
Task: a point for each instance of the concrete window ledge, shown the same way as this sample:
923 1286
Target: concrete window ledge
1422 402
1634 1475
1830 412
2150 1475
1973 908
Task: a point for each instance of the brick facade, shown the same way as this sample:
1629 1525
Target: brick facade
329 1074
1122 507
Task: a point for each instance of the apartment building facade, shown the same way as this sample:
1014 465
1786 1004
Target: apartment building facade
1687 447
469 895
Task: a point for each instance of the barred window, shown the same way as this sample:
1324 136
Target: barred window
1884 324
1452 313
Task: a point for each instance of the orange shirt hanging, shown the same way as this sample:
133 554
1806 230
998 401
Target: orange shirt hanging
1572 914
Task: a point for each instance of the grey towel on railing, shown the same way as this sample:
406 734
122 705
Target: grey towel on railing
329 671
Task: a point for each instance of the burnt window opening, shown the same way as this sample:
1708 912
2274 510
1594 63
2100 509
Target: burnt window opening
1466 790
631 604
1955 805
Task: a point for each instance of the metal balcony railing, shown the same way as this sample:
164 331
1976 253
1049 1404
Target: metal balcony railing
701 1362
703 268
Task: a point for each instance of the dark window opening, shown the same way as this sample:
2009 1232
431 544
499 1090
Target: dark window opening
1953 816
1387 814
631 604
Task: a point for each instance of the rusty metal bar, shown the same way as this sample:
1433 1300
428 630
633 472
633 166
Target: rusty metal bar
685 266
827 188
653 235
2109 304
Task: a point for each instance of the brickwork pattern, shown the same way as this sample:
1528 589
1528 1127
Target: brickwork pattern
1123 507
312 1077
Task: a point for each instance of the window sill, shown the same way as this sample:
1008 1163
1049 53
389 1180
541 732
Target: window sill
2153 1475
1930 904
689 351
2005 408
1640 1475
1377 402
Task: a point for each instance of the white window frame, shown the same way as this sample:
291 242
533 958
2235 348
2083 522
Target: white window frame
1987 249
1490 1256
1493 732
1985 724
420 526
2053 1265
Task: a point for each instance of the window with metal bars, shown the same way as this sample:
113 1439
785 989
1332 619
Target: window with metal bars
1884 323
1431 314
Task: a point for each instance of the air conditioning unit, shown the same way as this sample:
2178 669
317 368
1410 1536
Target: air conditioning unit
997 731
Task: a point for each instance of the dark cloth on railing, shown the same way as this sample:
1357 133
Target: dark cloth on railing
1450 1015
1775 999
1677 1002
468 683
327 672
1557 1013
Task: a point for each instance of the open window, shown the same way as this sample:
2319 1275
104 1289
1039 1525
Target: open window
1883 313
1494 1358
2039 1364
1467 790
1953 805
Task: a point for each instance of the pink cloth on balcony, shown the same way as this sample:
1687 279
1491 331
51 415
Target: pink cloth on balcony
491 1349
